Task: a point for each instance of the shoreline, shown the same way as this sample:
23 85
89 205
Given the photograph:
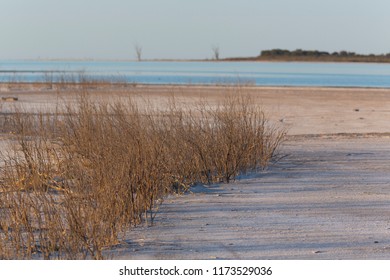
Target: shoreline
34 85
227 59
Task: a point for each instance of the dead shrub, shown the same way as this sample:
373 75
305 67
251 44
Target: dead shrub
76 180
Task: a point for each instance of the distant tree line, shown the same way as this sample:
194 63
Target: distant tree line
300 54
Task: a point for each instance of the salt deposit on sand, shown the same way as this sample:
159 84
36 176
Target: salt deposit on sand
328 199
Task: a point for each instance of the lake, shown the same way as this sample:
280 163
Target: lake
208 72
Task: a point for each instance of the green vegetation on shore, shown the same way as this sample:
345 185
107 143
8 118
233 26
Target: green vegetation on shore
314 55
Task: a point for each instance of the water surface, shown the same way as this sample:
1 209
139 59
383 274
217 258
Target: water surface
153 72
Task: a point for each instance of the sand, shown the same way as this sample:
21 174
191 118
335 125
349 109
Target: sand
327 198
302 110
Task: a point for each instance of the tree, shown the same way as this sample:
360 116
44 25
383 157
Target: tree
215 52
138 51
343 53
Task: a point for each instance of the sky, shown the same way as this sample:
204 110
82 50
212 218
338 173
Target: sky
188 29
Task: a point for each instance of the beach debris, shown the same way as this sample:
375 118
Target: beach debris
9 99
318 252
357 110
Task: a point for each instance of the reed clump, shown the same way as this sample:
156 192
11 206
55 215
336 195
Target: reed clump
74 182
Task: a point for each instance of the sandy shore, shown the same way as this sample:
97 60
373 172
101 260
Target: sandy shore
301 110
328 198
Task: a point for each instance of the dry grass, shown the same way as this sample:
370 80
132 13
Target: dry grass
75 181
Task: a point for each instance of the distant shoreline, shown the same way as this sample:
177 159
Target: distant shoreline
221 60
103 84
276 55
308 59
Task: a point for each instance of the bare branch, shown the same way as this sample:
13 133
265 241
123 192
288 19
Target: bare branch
138 51
215 50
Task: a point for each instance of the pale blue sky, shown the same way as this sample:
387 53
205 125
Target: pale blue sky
108 29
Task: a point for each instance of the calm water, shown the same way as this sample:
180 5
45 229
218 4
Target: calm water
256 73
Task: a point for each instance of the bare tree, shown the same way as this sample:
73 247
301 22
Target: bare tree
138 51
215 52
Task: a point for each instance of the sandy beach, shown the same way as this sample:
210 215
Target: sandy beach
326 198
303 110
